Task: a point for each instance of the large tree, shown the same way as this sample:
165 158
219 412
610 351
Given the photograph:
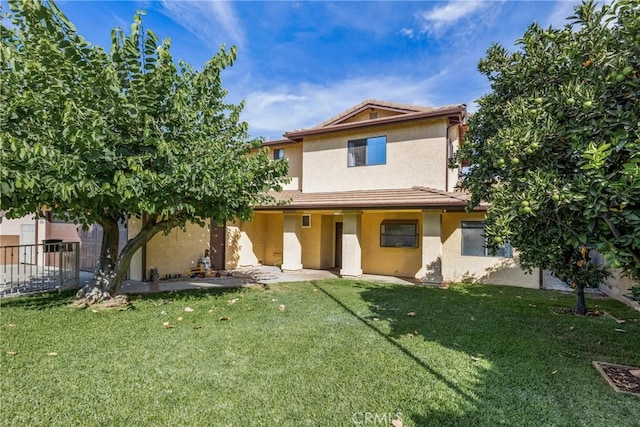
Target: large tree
555 146
104 135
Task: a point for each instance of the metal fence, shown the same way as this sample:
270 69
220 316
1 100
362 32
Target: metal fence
53 265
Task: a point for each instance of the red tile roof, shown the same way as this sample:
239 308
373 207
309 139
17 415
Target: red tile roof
405 198
338 123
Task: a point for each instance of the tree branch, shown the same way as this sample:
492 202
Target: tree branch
618 236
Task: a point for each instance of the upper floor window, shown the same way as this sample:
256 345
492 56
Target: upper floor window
474 242
367 151
278 154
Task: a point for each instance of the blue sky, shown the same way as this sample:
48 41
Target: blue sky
302 62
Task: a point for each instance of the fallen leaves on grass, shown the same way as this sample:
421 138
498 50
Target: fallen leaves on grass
52 354
167 325
94 311
554 372
412 314
180 318
620 330
12 325
476 359
223 318
282 307
397 423
197 327
188 310
532 305
233 301
12 353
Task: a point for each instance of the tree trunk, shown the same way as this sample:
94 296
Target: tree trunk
113 266
581 306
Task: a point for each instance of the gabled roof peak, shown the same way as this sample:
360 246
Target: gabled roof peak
382 112
373 103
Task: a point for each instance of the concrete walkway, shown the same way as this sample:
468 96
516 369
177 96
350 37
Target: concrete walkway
248 276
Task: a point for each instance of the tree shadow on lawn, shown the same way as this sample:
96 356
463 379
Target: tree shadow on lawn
501 351
48 300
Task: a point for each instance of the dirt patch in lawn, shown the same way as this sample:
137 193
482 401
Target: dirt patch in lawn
571 312
623 379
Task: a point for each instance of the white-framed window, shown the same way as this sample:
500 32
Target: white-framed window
367 151
399 233
306 221
474 242
278 154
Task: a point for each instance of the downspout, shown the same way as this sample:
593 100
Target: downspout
446 163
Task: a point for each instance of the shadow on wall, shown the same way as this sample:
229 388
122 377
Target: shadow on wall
506 272
232 252
433 272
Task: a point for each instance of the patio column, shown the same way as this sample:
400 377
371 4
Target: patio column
431 271
351 251
291 247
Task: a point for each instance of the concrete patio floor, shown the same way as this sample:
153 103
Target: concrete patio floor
246 276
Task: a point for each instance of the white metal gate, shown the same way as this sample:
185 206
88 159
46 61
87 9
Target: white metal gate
27 237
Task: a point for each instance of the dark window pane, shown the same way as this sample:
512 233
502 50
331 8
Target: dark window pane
399 234
357 152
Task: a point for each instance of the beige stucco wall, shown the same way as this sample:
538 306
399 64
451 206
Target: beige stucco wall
454 144
254 242
476 269
178 251
365 115
618 287
311 239
318 241
11 227
293 155
404 262
416 155
134 225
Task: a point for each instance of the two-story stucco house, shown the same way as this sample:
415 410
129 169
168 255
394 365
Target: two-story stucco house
370 191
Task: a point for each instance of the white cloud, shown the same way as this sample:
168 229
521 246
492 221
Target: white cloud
213 22
558 16
407 32
440 19
303 105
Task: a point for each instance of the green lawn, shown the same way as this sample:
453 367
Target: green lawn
340 353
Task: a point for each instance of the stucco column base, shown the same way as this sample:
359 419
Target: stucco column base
350 273
434 279
291 268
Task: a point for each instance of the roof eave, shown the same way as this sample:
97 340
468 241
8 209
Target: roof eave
299 134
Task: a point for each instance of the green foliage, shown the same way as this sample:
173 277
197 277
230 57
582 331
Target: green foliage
104 135
560 131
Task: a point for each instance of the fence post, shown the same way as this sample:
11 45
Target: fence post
76 260
60 267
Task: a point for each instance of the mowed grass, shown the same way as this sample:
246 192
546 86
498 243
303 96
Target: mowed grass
325 353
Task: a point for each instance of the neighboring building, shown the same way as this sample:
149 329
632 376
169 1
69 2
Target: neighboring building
370 191
29 231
